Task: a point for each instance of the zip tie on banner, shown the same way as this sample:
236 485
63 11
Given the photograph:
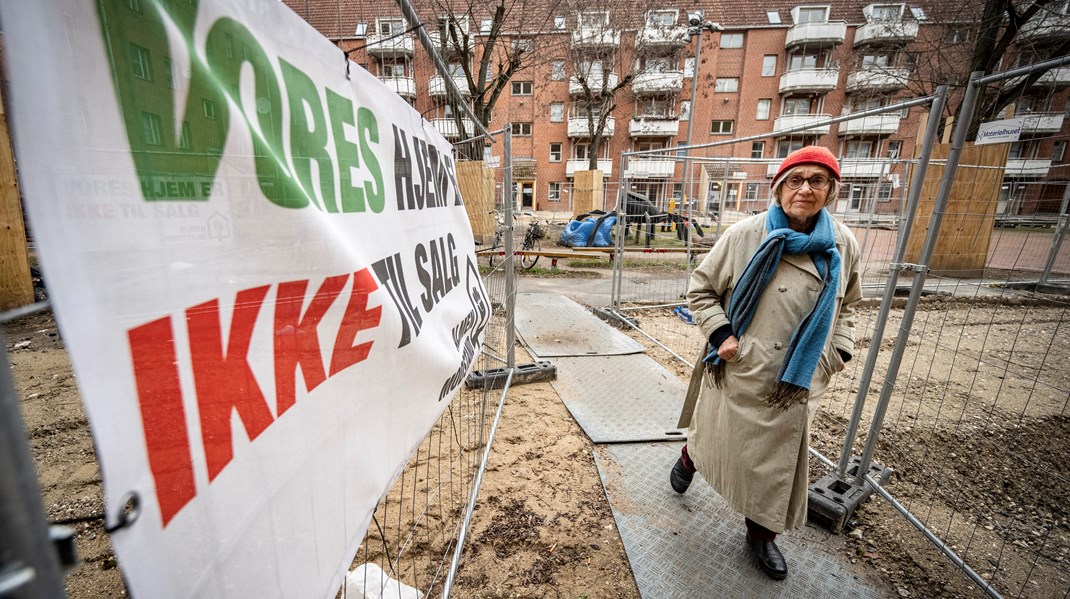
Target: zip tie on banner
127 515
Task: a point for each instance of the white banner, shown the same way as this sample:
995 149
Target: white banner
263 271
994 132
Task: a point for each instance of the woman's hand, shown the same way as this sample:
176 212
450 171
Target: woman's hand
729 348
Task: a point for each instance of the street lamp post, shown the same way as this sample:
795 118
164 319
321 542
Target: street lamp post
696 25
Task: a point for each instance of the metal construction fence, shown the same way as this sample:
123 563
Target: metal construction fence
965 400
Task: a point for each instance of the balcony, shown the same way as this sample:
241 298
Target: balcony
662 37
436 86
886 32
650 168
448 128
582 164
877 124
654 127
1055 77
577 127
1046 28
816 34
799 120
1039 122
1027 168
877 79
658 83
595 37
809 80
384 45
855 168
594 82
402 86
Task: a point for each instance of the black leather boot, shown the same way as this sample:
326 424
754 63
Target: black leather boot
770 560
680 477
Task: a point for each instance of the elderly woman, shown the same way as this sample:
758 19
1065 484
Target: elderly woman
775 298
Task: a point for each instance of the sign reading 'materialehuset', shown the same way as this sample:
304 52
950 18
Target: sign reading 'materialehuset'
1005 131
261 265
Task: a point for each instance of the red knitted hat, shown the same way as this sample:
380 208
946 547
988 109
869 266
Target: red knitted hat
818 155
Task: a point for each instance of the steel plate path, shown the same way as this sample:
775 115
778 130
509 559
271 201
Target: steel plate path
621 398
552 325
693 545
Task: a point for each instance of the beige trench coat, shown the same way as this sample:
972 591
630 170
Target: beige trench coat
755 455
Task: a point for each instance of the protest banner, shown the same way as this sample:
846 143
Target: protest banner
261 265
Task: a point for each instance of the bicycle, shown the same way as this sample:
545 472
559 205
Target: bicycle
532 243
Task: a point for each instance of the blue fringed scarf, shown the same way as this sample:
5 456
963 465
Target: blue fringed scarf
808 340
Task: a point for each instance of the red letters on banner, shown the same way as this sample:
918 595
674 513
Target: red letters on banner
223 379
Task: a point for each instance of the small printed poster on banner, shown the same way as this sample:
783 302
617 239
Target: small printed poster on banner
994 132
261 264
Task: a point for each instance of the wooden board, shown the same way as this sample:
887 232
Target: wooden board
962 246
588 193
476 181
16 287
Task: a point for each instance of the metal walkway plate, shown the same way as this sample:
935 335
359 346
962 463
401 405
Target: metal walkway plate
693 545
621 398
552 325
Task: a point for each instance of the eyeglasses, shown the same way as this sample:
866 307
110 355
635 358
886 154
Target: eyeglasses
815 181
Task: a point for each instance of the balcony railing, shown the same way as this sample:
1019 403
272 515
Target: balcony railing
1027 167
676 36
877 79
856 168
596 82
1039 122
809 80
1046 27
877 124
878 32
1059 76
577 127
448 128
654 127
595 37
816 34
656 83
402 86
582 164
650 168
436 86
385 45
797 120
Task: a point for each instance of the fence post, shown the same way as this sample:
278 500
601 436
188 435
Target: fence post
31 569
510 267
1057 240
906 221
622 231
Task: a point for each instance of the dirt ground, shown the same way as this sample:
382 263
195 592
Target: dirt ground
543 527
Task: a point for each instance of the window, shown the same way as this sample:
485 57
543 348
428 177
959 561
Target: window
859 149
393 70
685 110
559 23
884 191
653 106
151 128
557 70
885 12
209 109
656 64
797 62
391 26
525 45
361 30
752 191
769 65
773 16
894 146
875 61
521 88
918 12
485 25
450 28
593 20
142 62
812 14
726 84
553 194
521 129
796 106
557 112
731 40
592 69
957 36
1058 149
757 149
555 152
689 66
721 127
762 113
787 146
184 139
912 62
661 18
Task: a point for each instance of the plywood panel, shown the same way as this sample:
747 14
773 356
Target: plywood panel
476 181
588 192
16 288
966 231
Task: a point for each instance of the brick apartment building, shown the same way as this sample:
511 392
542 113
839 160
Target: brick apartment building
767 67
